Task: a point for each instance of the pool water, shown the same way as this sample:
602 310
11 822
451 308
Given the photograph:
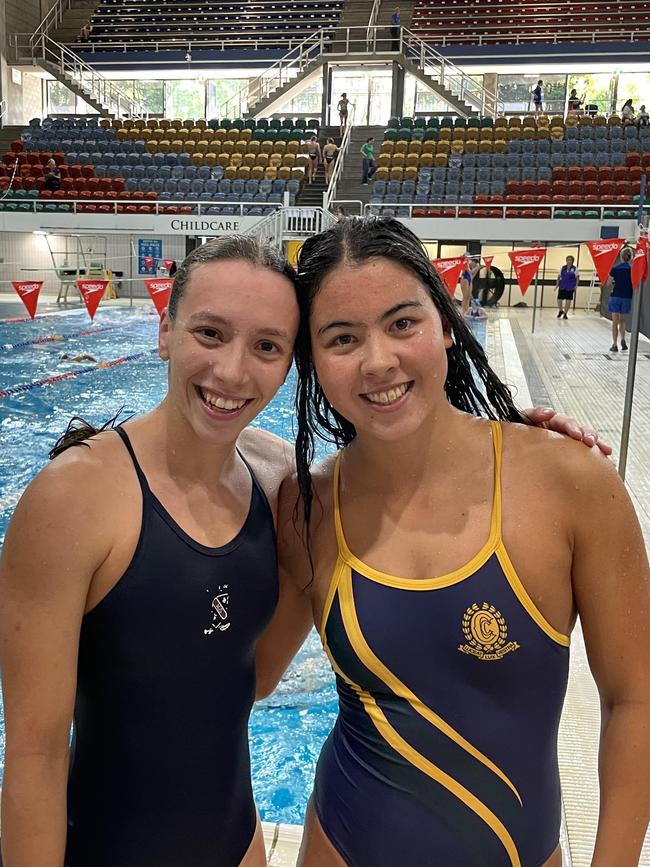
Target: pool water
287 729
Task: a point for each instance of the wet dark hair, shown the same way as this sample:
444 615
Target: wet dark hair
231 248
357 241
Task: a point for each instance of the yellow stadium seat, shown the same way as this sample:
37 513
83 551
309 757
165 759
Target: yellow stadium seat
397 174
164 146
244 172
293 147
440 160
500 122
297 174
230 173
383 160
443 147
236 159
267 147
176 123
514 133
210 159
444 134
220 134
500 146
514 122
382 174
415 147
387 147
164 123
253 147
270 173
457 146
485 147
398 161
290 160
249 160
302 160
401 147
188 147
262 160
530 122
151 147
426 160
471 147
188 124
232 135
412 160
223 160
529 133
197 158
227 147
257 173
411 173
152 123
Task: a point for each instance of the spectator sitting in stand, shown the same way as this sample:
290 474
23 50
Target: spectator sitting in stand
642 117
627 112
85 31
52 176
574 104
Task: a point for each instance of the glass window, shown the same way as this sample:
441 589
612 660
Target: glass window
516 92
593 89
185 98
82 107
308 101
151 94
60 100
227 97
634 86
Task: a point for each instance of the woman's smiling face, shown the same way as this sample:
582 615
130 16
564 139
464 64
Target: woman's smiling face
379 347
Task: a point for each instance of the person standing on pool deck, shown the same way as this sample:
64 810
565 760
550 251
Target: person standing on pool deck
538 97
111 636
451 687
138 573
620 300
567 282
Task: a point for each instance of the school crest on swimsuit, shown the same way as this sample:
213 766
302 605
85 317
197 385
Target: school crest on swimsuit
486 633
219 611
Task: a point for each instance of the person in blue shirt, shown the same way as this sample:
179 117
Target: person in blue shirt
538 98
394 29
620 300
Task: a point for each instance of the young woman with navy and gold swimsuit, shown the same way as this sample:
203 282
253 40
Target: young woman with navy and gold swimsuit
445 590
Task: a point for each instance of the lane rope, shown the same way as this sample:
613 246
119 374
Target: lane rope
72 374
10 347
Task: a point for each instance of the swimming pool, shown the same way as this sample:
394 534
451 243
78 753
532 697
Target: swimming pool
287 729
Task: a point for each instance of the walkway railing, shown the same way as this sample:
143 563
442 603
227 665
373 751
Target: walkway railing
3 109
350 41
91 82
300 221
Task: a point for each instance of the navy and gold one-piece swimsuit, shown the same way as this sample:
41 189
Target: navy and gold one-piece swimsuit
450 693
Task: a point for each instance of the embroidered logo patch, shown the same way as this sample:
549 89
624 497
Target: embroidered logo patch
219 611
486 633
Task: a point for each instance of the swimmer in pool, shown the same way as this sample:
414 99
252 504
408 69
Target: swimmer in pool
451 655
95 625
79 358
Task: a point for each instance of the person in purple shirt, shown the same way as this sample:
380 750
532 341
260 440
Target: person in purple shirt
567 281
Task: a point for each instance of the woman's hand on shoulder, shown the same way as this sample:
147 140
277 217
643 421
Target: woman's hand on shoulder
549 419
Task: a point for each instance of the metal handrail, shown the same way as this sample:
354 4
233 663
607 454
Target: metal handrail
372 21
51 20
89 80
330 192
378 208
277 75
450 76
3 108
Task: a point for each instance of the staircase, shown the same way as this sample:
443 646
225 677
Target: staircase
311 195
349 186
386 9
81 78
268 93
7 135
356 13
69 28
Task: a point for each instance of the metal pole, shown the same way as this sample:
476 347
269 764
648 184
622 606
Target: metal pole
631 362
532 330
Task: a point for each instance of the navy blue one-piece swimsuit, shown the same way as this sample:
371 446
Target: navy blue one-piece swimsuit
160 771
450 693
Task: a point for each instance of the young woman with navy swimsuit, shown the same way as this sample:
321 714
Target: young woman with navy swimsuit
445 591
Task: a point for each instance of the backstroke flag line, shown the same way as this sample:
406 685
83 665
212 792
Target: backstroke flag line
28 290
525 264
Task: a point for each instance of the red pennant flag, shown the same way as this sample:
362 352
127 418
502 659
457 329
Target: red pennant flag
640 262
29 292
526 263
92 292
488 261
604 254
159 291
168 264
450 270
148 261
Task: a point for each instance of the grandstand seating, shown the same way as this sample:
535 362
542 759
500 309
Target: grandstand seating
206 162
468 21
482 163
271 24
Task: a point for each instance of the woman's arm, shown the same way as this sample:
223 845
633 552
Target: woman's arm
53 547
611 583
293 617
